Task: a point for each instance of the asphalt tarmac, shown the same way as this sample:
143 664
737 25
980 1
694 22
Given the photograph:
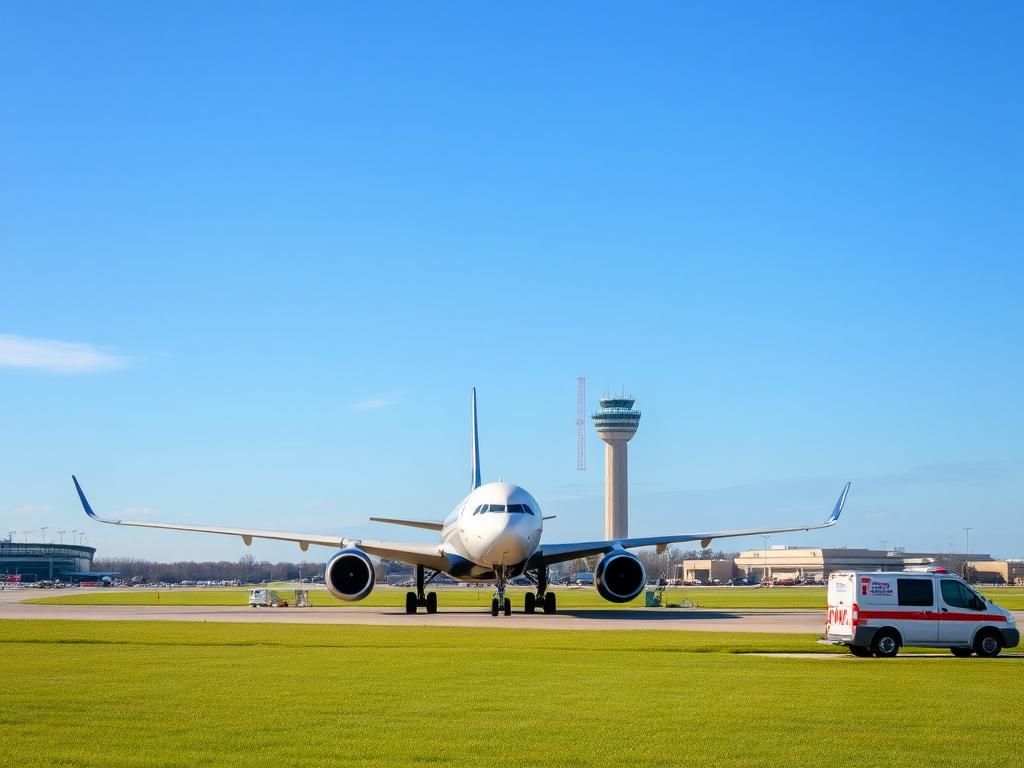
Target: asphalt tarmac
664 619
693 619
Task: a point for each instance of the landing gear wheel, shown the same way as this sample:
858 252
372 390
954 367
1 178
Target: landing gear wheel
432 602
508 606
886 644
988 645
860 651
494 607
961 653
531 603
549 602
410 602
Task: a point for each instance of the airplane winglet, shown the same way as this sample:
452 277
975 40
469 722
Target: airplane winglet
834 517
85 501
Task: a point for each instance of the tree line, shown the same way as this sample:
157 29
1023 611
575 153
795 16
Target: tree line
245 569
248 569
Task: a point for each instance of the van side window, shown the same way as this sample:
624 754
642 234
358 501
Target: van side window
957 595
915 592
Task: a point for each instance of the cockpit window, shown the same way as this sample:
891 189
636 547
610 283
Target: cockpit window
512 509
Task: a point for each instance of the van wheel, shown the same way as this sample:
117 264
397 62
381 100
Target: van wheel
961 653
859 651
988 645
886 644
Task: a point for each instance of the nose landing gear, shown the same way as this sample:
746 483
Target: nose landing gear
500 602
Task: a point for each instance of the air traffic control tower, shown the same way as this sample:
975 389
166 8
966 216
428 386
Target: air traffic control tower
616 422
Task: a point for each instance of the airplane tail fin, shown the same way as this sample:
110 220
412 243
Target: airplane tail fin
474 458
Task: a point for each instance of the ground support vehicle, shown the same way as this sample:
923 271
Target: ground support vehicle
877 613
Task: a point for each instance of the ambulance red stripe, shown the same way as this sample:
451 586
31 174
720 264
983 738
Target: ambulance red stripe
930 616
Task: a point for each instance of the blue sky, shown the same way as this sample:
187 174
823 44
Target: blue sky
254 257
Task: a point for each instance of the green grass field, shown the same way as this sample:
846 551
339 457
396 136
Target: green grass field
703 597
167 694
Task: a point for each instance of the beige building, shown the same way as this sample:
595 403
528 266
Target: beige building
996 571
706 571
780 563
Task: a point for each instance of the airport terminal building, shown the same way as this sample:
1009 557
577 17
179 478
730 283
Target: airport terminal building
783 563
28 562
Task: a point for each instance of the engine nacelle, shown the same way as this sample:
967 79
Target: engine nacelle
349 575
620 576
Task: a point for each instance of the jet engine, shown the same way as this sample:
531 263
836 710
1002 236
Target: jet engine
349 575
620 576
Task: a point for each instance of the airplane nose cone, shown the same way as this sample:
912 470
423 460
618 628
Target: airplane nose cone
506 543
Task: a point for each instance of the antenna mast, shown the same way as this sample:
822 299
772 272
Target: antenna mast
581 423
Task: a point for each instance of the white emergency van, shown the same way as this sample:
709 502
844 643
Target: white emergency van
875 613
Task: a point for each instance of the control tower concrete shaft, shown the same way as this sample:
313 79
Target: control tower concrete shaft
616 422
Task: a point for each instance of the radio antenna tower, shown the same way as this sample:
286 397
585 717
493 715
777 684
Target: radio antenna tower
581 423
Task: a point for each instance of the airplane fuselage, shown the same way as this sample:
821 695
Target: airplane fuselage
496 527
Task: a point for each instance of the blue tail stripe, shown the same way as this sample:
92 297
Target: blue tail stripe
474 466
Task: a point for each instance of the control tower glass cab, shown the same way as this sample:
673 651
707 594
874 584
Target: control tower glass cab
616 422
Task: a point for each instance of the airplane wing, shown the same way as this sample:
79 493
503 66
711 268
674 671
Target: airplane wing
428 555
427 524
559 553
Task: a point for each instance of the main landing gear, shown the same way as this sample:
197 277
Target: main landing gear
543 599
545 603
413 600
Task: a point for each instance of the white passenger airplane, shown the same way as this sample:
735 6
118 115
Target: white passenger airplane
492 535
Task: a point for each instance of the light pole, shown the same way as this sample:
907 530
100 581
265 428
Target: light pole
61 534
74 535
967 552
44 529
25 534
765 563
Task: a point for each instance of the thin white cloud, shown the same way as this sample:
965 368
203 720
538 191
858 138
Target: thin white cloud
33 509
375 403
134 513
55 356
